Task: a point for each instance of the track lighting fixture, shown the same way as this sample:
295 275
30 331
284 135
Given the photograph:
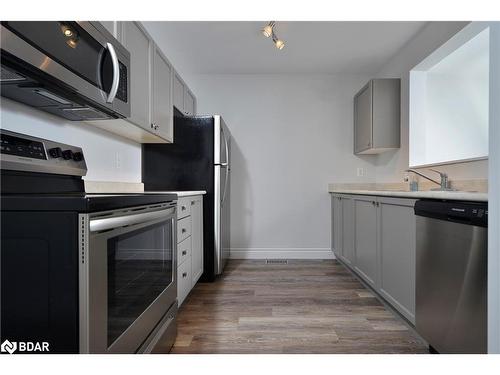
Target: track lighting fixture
268 32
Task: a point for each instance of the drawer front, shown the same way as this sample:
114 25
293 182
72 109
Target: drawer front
184 280
183 207
183 251
183 229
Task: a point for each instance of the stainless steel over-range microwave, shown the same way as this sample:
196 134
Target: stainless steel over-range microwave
76 70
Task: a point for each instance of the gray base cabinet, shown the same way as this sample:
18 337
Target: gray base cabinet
375 237
365 238
189 244
397 241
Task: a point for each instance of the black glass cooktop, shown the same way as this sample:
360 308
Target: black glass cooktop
79 202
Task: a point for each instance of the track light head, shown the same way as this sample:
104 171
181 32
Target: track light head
278 42
268 29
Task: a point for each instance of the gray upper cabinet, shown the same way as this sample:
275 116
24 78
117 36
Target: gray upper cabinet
365 238
184 99
112 27
135 39
397 254
178 93
377 116
189 103
154 88
162 116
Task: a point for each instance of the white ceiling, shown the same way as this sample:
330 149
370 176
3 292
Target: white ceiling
311 47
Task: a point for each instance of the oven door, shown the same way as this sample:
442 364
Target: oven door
81 55
127 277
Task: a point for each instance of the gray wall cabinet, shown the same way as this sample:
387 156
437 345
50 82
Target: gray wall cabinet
184 99
136 39
162 110
377 116
375 237
153 88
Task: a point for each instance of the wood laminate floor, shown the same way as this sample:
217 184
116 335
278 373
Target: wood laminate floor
300 307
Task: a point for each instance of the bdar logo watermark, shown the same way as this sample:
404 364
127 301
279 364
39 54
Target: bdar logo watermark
8 347
24 346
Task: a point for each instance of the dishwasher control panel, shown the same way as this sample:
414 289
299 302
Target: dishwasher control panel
471 213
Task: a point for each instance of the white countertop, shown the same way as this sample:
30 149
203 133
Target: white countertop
179 193
450 195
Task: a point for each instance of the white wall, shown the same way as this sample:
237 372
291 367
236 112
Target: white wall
108 156
390 165
450 107
292 135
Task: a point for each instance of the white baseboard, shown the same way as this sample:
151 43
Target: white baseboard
281 253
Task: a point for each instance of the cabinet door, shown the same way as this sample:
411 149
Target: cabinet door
397 254
347 229
188 102
363 119
365 237
162 98
112 27
337 225
135 39
178 93
196 237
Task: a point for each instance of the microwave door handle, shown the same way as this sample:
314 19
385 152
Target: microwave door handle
116 73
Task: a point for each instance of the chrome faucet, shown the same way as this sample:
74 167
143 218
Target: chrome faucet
444 183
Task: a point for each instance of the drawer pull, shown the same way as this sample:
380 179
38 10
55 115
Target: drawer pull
184 274
192 203
183 208
184 252
183 230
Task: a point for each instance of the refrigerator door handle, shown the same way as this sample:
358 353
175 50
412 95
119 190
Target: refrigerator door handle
225 187
226 149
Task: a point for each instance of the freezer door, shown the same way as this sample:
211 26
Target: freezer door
221 218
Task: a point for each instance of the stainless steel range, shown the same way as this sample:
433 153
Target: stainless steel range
84 273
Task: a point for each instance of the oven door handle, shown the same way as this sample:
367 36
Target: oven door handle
97 225
116 73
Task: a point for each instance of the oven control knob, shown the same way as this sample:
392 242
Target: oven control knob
55 152
67 154
77 156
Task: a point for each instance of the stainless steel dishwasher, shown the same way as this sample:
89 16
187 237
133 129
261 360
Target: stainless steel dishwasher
451 275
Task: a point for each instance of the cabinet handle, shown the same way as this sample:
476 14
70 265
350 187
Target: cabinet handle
184 274
154 126
378 204
192 203
184 252
183 208
374 203
183 230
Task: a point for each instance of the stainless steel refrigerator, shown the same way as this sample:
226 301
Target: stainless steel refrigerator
199 159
